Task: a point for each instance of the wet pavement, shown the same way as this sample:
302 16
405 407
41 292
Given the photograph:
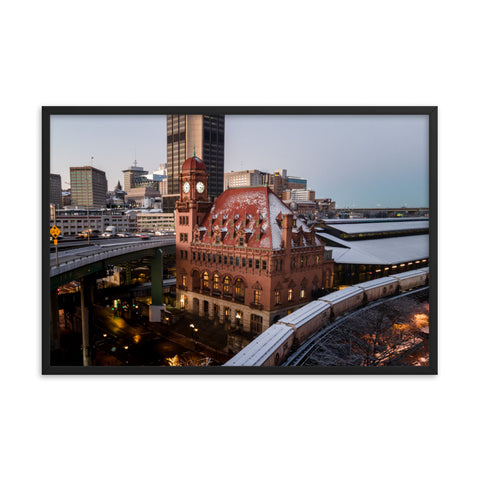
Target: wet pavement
125 337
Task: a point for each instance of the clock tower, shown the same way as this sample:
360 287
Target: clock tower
190 211
193 181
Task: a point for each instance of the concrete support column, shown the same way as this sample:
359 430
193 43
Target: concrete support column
157 306
128 273
85 306
54 321
231 319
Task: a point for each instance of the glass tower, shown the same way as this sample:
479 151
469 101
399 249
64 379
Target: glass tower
205 133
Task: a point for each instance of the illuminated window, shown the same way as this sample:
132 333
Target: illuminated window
216 281
239 288
256 297
302 293
277 297
227 283
239 318
205 280
290 294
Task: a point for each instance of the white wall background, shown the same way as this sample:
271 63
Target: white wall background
262 53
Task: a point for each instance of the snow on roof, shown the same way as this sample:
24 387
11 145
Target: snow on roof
410 273
260 349
380 251
255 209
305 314
376 227
378 282
340 295
375 220
276 207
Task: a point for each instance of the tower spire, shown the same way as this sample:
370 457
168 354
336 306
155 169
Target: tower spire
193 149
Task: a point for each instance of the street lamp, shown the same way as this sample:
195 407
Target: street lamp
194 334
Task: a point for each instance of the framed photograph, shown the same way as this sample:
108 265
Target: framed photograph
239 240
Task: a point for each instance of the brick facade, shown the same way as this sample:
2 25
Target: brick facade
245 259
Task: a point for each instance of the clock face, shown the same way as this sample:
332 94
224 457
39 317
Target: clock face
186 187
200 187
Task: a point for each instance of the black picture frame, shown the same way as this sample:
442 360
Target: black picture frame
431 112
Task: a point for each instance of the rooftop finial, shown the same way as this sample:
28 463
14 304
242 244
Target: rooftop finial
193 149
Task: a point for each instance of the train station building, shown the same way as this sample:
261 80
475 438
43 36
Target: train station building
246 259
367 249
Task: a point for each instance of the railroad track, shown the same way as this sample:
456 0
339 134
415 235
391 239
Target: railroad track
321 337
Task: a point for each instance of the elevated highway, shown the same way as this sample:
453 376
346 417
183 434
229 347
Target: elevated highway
77 263
83 264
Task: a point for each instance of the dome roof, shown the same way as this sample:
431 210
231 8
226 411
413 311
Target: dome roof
194 163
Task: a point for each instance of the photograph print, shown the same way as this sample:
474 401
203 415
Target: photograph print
239 240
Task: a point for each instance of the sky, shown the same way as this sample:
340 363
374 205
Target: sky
356 160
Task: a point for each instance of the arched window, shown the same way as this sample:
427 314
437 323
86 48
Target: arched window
227 285
205 283
277 297
195 279
216 281
239 289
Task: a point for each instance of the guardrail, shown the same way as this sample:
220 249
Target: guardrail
112 251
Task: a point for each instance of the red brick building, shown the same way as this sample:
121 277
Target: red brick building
246 258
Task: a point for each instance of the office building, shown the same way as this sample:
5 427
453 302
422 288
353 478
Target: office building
243 178
298 195
88 187
140 185
55 190
206 135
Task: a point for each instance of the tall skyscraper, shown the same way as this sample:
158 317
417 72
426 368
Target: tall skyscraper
88 186
205 134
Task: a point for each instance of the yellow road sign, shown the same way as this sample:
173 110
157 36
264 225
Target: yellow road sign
54 231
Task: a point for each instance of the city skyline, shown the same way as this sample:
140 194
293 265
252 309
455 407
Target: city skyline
357 160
